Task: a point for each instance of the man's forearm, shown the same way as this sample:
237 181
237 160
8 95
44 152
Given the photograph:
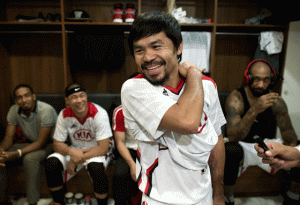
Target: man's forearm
99 150
124 152
34 146
240 130
62 148
289 137
216 163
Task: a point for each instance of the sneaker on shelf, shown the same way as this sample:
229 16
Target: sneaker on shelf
118 13
129 13
78 15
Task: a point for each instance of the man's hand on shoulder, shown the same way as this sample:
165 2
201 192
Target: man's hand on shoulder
186 66
265 101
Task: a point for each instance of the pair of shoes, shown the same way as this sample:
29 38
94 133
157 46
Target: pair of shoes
119 13
53 18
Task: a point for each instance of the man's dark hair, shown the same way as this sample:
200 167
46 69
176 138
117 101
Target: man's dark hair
154 22
22 86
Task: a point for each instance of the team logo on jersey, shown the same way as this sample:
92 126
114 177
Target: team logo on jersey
83 135
165 92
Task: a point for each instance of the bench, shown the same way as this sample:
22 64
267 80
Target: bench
254 182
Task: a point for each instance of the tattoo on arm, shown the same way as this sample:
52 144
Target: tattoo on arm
284 123
238 127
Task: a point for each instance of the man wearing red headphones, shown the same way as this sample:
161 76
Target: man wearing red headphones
252 111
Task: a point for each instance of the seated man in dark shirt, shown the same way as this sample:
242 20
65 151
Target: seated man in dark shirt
254 110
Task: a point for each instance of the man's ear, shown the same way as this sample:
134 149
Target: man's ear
180 48
67 102
34 96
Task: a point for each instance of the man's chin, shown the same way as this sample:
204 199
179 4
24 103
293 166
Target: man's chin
160 81
258 94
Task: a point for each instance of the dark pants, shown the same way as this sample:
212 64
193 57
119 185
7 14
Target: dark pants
32 167
123 185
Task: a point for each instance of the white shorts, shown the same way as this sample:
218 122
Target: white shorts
64 159
251 158
146 200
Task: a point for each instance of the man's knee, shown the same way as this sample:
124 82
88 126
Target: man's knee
121 168
53 169
234 155
97 173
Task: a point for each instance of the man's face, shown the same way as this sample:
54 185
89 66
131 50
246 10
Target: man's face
157 57
25 99
261 78
78 103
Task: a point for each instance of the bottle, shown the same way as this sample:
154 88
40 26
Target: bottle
69 199
79 199
88 200
129 13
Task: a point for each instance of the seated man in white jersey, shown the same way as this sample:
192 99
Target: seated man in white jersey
254 110
125 188
174 113
87 125
36 120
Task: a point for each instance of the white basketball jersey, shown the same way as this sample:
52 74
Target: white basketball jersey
85 133
173 167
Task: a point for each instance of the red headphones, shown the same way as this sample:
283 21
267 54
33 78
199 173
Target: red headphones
248 76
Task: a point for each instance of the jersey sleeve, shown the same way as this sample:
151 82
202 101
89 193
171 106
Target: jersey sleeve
12 115
61 129
144 107
118 120
102 125
216 114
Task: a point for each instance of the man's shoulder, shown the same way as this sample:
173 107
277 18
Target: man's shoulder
44 107
235 97
209 80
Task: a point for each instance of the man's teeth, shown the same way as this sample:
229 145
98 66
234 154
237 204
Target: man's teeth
153 67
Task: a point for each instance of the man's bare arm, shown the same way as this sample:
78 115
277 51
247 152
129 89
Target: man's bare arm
7 141
44 135
184 117
216 163
100 150
237 127
284 123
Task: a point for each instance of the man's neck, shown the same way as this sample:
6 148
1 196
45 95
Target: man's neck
173 81
27 112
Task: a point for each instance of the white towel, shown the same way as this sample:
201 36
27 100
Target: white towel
271 41
196 48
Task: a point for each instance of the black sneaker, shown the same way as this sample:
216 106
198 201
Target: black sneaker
229 203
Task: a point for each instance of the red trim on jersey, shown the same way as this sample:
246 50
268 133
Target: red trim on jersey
118 119
92 111
65 176
139 76
204 77
178 87
149 174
